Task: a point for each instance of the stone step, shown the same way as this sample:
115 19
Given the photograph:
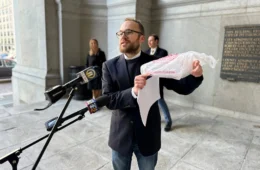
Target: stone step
4 80
6 100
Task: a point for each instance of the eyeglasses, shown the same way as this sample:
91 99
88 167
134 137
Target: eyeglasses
128 32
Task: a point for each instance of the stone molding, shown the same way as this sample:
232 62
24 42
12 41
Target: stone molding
169 11
216 110
121 17
94 2
75 10
95 12
105 11
121 3
175 3
34 75
121 10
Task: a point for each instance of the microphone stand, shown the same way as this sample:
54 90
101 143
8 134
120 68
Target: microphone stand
54 129
13 158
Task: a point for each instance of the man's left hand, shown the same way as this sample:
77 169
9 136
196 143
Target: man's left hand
197 69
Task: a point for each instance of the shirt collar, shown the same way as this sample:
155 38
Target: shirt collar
136 56
154 49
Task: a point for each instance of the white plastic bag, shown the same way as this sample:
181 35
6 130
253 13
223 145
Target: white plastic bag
177 66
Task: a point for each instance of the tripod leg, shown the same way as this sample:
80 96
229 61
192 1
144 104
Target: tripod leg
14 162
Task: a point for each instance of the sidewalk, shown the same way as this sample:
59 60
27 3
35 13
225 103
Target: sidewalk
198 141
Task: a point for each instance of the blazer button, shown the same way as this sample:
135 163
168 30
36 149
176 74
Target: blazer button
131 122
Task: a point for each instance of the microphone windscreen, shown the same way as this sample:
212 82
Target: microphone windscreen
89 74
102 101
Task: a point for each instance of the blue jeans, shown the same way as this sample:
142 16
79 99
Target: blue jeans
121 162
165 110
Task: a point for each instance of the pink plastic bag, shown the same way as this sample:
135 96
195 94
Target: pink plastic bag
177 66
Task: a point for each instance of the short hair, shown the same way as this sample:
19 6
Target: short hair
141 27
156 37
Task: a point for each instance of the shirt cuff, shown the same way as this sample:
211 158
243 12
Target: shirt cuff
133 93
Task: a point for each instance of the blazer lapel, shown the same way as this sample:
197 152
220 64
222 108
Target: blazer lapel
157 51
122 74
149 51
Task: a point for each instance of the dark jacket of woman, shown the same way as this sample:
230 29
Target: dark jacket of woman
96 60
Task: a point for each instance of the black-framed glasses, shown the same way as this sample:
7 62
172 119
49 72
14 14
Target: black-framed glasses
128 32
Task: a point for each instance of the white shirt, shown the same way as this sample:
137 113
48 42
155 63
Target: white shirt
136 56
153 51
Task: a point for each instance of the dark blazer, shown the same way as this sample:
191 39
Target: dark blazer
160 52
126 124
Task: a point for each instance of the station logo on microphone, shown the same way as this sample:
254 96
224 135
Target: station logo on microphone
90 73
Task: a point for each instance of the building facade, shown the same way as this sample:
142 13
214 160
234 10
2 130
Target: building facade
6 26
183 25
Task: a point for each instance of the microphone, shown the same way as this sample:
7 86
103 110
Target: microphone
85 76
92 106
55 93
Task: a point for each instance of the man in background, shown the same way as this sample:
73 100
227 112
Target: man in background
155 50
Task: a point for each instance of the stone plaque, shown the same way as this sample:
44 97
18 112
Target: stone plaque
241 53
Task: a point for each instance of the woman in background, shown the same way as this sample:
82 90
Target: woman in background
95 57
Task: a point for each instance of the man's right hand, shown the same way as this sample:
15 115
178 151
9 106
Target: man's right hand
140 82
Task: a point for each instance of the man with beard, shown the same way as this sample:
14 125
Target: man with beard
121 81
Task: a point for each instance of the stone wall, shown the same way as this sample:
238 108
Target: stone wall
199 26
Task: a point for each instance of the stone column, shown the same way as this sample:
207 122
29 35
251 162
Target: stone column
37 50
117 12
143 13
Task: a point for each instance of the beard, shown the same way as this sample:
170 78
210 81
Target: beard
130 48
